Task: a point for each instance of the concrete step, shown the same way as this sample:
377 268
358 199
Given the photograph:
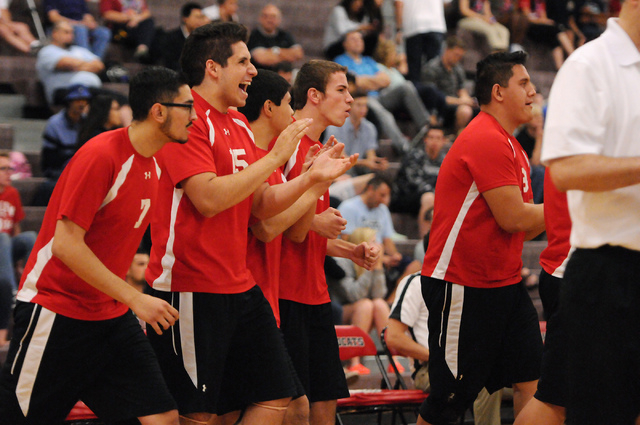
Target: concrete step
27 133
11 105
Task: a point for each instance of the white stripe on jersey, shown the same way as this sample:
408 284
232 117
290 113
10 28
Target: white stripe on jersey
163 282
212 130
443 262
158 170
291 162
33 358
122 176
243 125
559 272
29 289
187 336
453 327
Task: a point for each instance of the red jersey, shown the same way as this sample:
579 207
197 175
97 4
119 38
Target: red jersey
558 223
466 244
302 265
190 252
107 189
263 259
11 211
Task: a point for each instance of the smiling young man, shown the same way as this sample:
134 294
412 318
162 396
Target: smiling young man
75 336
227 354
488 335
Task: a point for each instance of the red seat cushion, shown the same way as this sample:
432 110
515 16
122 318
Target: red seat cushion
80 411
382 397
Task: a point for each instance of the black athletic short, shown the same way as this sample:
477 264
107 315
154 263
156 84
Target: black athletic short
311 340
224 353
479 337
554 362
600 311
54 361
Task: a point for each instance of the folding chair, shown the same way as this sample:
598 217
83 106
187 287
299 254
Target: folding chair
354 342
81 414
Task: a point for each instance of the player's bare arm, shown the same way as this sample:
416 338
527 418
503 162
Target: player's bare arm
211 194
511 213
364 254
594 173
69 246
397 338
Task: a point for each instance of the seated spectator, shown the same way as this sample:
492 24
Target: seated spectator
361 293
104 115
383 97
370 209
345 17
191 17
61 133
414 186
61 65
17 34
131 24
446 74
408 334
135 274
530 138
546 31
15 246
285 70
360 136
86 31
477 17
224 10
269 44
509 14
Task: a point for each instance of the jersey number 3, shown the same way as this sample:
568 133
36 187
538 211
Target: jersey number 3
145 204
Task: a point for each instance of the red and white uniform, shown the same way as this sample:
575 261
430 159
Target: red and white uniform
107 189
302 266
192 253
11 211
466 244
558 223
263 259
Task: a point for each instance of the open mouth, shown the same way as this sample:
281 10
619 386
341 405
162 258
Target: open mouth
243 86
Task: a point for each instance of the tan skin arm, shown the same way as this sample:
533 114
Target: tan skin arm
373 82
69 246
364 255
397 338
73 64
594 173
512 214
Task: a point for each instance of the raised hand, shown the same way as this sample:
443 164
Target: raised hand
331 165
287 141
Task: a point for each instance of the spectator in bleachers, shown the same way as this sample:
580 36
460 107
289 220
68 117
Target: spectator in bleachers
546 31
530 138
423 26
509 14
61 65
415 183
191 17
370 210
360 136
448 76
15 246
104 115
131 24
223 10
477 17
345 17
135 274
17 34
384 97
361 293
269 44
87 32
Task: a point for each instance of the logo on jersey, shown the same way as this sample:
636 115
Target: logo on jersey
147 175
227 132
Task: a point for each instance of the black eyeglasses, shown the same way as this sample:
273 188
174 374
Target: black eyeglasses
179 105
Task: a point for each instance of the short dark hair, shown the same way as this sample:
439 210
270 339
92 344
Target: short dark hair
267 85
313 74
212 41
187 8
376 181
153 85
358 93
496 68
454 41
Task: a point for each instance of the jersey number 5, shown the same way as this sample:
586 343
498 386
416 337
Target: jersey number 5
145 204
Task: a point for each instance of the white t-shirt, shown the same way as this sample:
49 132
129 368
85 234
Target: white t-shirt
410 309
594 109
422 16
4 4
